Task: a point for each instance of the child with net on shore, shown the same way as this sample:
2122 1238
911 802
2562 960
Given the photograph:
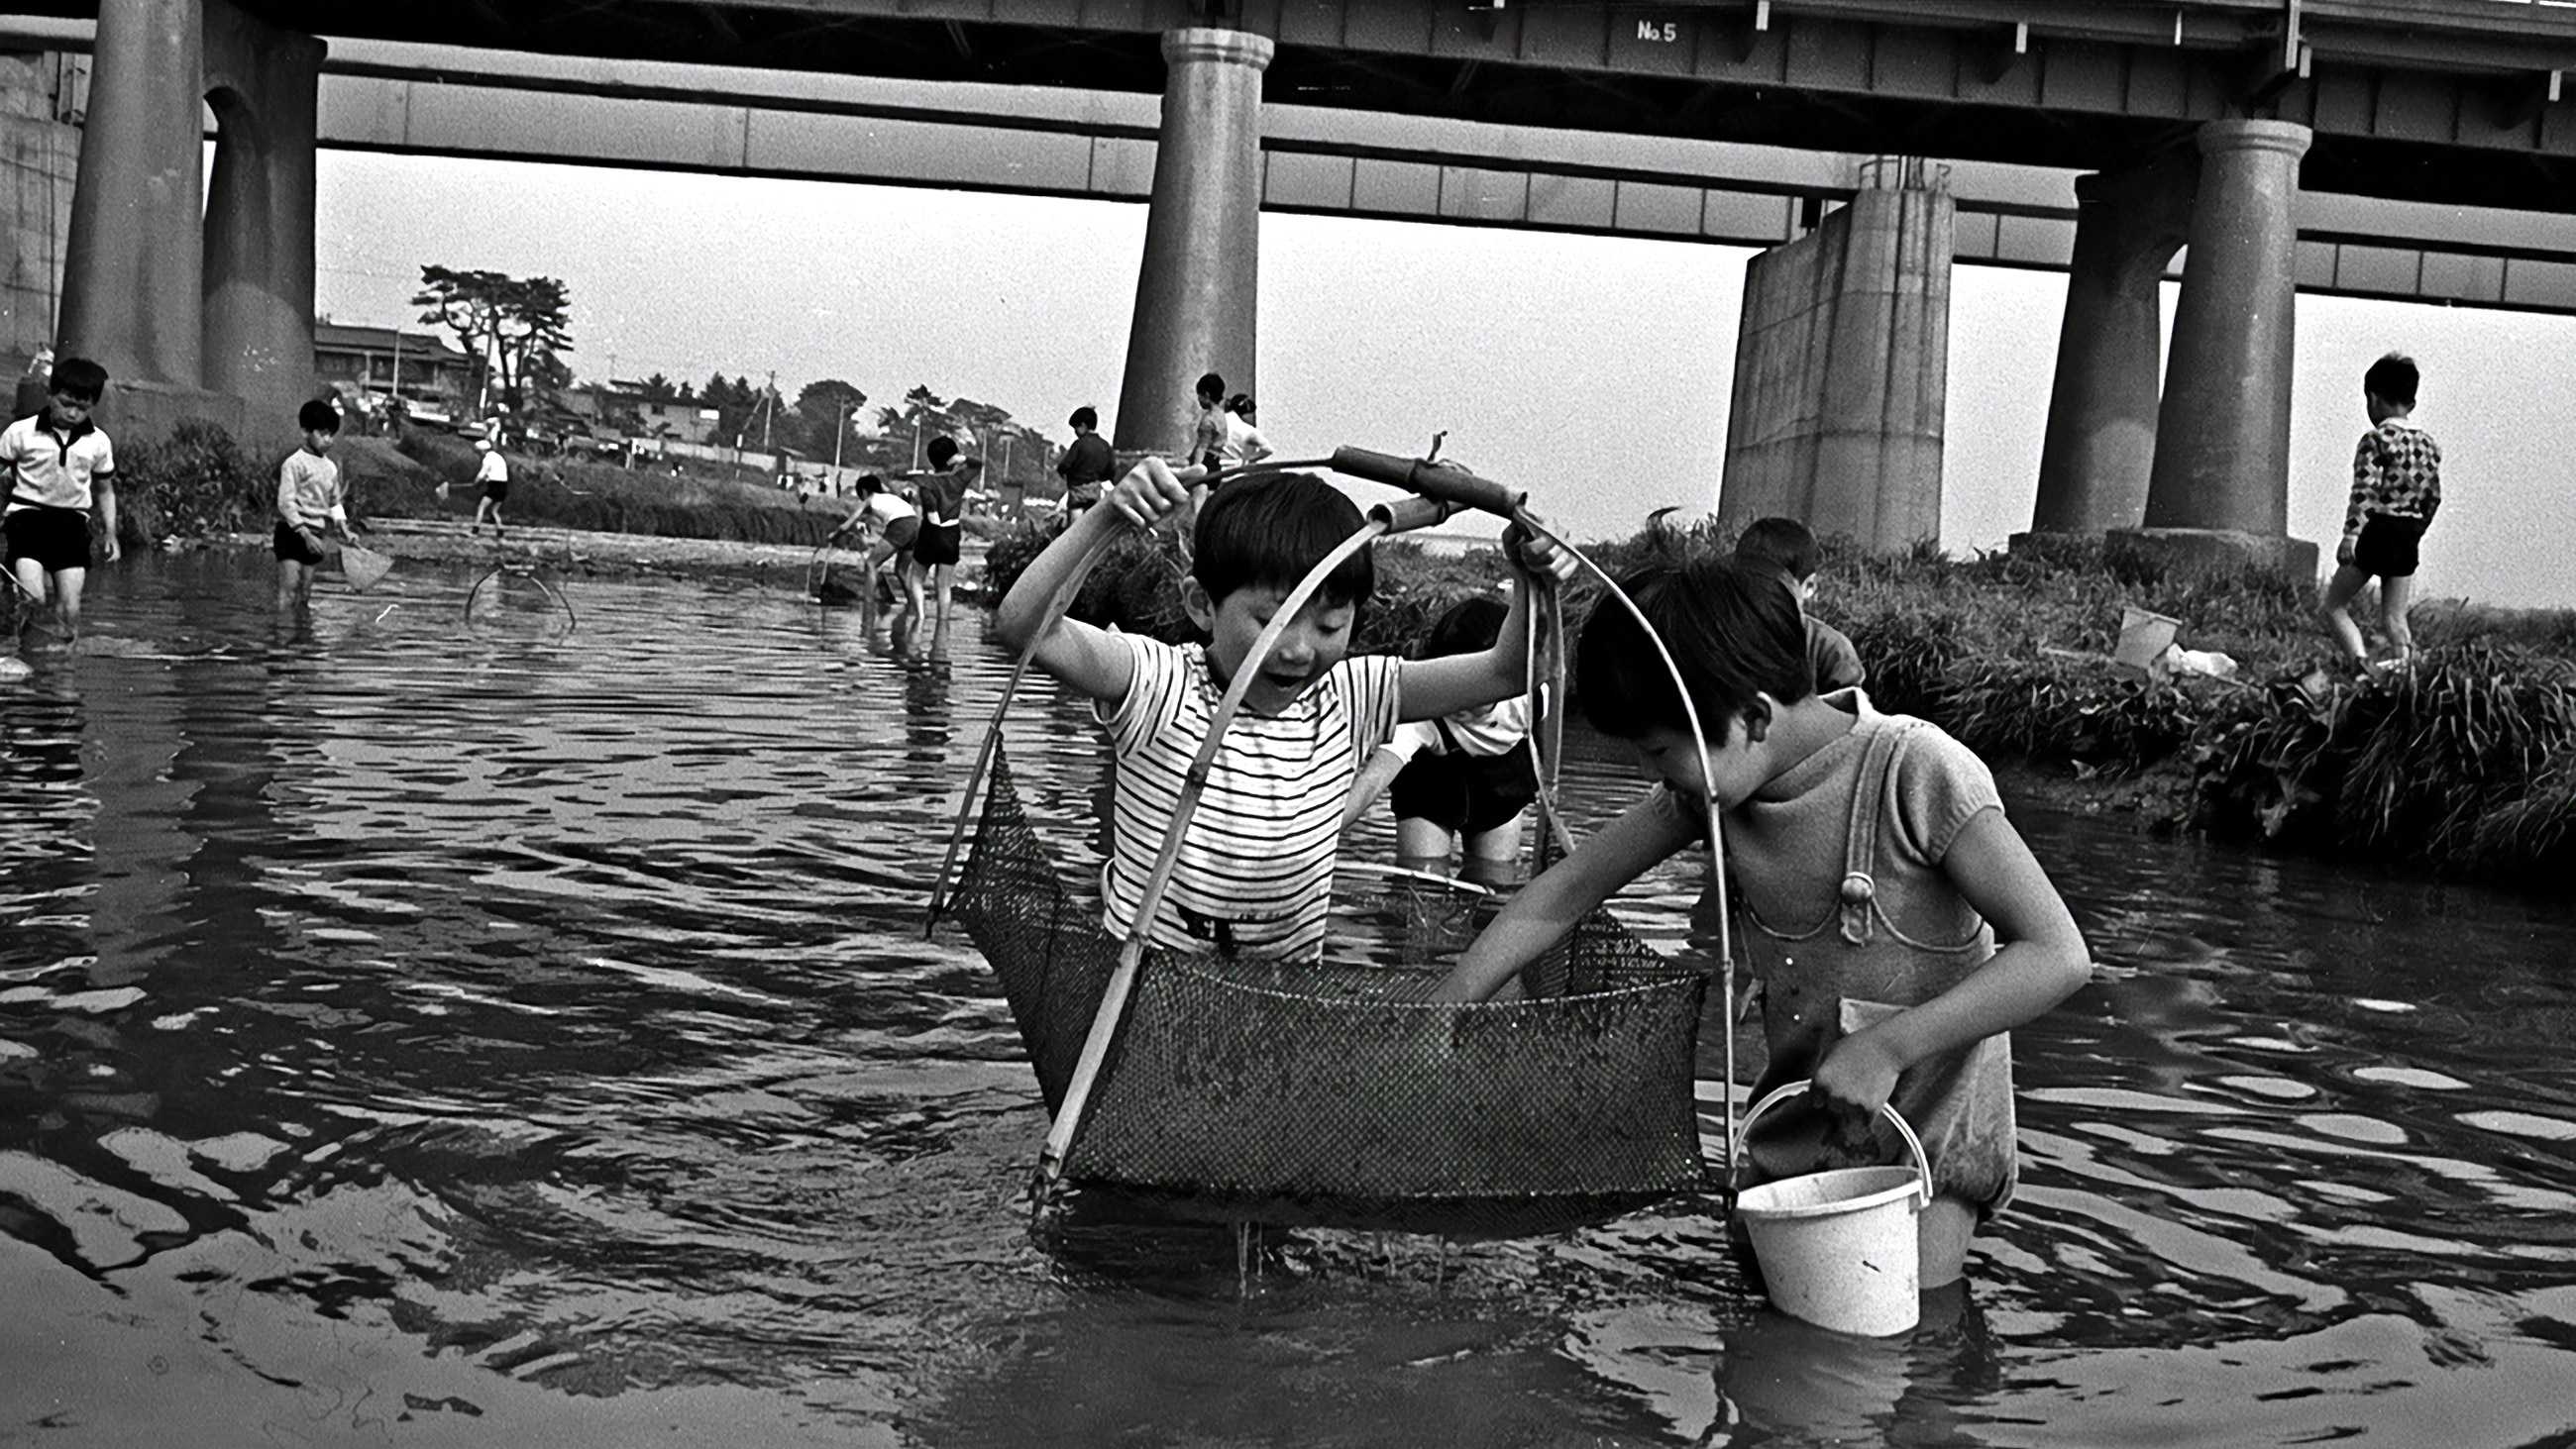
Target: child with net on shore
1255 870
1875 873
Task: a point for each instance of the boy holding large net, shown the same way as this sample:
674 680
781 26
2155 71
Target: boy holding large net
1875 872
1255 869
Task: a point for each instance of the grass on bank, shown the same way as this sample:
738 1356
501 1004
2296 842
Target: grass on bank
2464 763
200 482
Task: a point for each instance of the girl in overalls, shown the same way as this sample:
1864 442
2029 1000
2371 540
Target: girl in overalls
1875 871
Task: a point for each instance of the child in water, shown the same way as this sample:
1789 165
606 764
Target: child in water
1464 778
1875 872
1256 866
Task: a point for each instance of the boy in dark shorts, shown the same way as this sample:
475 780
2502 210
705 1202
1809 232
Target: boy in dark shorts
310 503
1464 778
2396 487
60 468
943 522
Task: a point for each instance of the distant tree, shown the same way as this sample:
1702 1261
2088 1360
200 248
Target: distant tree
504 322
826 415
658 388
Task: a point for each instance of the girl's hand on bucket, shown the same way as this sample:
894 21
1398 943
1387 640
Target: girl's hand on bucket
1150 490
1857 1075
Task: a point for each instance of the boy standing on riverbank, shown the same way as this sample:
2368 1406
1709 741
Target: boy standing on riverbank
310 503
1788 546
2396 488
60 467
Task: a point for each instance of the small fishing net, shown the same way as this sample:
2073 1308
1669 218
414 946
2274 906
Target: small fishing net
1326 1093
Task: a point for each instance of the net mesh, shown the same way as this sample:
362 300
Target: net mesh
1325 1093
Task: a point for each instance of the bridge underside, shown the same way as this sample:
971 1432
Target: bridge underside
2428 102
1096 145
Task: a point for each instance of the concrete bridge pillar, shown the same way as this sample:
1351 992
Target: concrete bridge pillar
1198 290
131 271
263 84
2101 441
2219 493
1842 370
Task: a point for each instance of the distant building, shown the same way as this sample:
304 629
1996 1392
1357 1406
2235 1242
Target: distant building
361 363
624 408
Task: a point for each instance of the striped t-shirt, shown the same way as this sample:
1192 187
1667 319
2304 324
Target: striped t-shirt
1256 864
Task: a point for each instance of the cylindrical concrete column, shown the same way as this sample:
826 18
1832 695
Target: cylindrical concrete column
2100 446
259 218
1198 290
131 297
2223 433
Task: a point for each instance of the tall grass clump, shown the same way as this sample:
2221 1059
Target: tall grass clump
193 483
2464 761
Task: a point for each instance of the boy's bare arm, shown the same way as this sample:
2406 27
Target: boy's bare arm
1081 654
102 491
1548 907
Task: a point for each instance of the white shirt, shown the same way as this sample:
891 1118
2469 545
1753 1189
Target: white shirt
1259 850
1242 443
49 470
494 468
308 492
1488 730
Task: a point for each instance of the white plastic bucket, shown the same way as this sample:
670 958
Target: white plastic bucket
2144 635
1839 1248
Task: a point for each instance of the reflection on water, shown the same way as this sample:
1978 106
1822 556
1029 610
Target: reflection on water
469 1029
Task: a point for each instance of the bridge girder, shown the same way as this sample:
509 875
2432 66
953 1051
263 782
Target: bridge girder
2443 101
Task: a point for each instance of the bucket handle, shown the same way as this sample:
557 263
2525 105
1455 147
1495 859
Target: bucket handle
1804 1085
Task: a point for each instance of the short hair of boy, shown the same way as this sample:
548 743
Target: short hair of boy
943 451
868 483
1783 543
1211 387
1469 626
1267 530
1084 420
79 379
318 416
1733 632
2393 379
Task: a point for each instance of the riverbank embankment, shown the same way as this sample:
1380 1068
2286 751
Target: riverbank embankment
2461 762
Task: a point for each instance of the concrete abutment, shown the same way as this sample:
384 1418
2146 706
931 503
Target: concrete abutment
1198 287
1842 368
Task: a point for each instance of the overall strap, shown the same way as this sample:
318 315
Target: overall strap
1860 840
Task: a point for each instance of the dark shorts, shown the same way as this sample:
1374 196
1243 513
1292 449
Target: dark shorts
1468 794
291 547
936 544
498 490
900 533
2386 548
56 538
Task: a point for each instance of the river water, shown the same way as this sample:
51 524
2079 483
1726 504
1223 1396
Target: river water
433 1026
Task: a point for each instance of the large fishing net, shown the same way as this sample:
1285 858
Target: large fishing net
1328 1093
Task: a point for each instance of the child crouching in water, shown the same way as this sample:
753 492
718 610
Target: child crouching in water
1255 870
1874 869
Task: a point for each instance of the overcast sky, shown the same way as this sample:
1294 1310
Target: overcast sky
1592 371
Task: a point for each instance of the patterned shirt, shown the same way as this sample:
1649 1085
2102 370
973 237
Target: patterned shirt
1256 864
2397 470
49 468
308 492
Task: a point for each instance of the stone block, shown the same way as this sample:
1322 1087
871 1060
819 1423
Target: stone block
2148 554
